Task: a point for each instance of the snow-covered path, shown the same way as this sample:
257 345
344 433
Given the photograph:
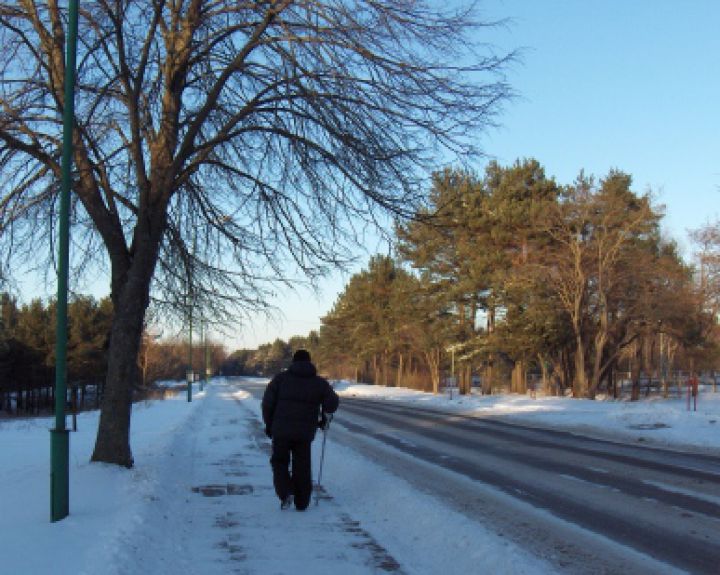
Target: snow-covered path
215 511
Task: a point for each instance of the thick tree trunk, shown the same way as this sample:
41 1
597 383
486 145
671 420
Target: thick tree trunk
113 439
432 357
580 383
601 338
518 378
130 295
561 373
488 378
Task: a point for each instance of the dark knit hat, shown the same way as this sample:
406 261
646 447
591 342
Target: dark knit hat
301 355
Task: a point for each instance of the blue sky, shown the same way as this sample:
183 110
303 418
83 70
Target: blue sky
627 84
633 85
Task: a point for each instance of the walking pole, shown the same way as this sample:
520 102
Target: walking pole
322 458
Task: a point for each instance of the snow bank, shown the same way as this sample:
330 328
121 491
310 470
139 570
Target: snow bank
652 420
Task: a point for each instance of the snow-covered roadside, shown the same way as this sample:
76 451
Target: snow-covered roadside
104 499
654 421
163 516
200 501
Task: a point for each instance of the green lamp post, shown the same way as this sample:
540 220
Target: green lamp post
59 438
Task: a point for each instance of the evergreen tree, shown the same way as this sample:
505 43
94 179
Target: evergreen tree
445 243
89 325
602 254
375 325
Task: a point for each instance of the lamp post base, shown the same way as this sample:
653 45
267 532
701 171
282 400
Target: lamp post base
59 474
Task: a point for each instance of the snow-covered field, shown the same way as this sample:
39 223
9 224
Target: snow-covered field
655 421
200 499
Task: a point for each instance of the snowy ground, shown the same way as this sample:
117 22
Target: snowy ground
655 421
200 500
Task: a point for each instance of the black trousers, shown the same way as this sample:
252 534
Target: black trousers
291 468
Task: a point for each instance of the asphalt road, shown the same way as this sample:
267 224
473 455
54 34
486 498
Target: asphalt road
585 505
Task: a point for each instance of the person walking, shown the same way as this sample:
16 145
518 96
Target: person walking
292 405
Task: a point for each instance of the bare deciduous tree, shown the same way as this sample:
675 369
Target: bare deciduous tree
215 138
707 256
599 264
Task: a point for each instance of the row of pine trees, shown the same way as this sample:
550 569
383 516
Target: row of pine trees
27 350
27 355
511 276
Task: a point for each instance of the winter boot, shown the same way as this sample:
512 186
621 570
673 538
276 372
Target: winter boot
287 502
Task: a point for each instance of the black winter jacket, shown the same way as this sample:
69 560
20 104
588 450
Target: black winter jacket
292 401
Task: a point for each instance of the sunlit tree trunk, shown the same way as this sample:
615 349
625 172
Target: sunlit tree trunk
131 296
